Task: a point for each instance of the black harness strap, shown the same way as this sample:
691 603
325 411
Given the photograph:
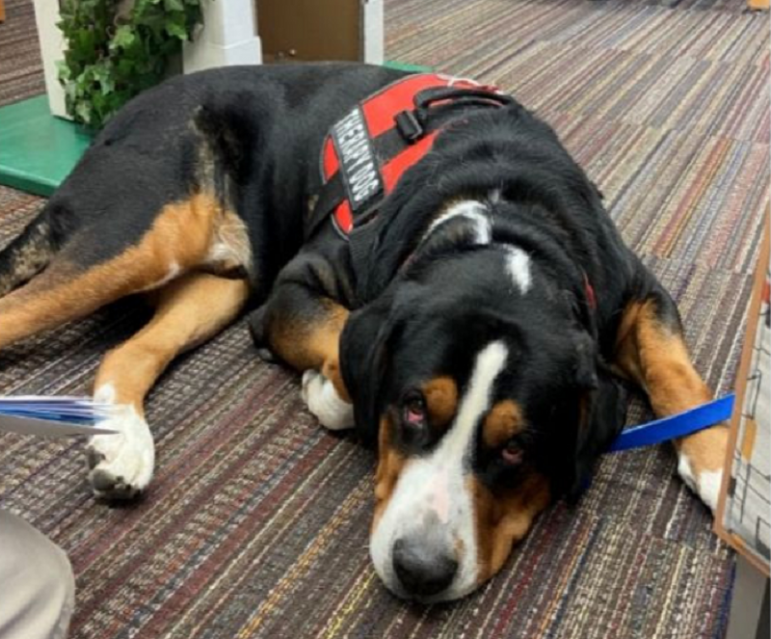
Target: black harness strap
409 127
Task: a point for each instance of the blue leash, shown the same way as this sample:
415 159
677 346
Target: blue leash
667 428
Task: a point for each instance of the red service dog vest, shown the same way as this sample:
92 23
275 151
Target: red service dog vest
366 152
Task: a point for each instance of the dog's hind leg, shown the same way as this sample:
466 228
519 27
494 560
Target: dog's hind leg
78 280
189 311
651 350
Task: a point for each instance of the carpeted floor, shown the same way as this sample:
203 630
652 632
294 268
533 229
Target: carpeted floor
21 69
256 524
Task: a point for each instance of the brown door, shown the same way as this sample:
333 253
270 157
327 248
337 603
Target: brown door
309 29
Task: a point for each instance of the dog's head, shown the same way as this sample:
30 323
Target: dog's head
487 399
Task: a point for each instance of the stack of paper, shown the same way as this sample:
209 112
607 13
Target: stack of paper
53 416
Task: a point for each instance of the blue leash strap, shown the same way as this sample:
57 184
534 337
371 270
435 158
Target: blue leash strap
674 426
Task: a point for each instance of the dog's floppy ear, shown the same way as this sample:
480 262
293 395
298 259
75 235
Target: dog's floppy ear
363 363
602 413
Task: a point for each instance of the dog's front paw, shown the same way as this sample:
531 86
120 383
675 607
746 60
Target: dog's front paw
705 483
323 401
700 462
121 464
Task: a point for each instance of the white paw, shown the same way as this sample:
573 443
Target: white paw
705 484
686 473
121 464
709 487
323 401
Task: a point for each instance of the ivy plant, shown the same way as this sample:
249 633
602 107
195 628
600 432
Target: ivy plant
116 49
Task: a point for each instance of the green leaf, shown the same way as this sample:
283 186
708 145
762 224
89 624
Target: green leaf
177 30
124 37
105 66
63 71
83 112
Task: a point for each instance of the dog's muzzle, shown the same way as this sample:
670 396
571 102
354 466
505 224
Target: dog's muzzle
424 563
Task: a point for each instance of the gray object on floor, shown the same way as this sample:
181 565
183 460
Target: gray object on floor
37 581
749 603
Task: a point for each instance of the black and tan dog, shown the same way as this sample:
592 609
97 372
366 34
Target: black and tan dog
472 327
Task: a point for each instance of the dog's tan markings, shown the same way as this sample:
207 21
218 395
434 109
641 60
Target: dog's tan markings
504 519
180 239
441 395
313 343
230 250
389 466
189 311
502 422
656 357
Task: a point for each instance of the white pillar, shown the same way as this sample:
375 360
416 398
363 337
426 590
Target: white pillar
372 31
228 37
51 49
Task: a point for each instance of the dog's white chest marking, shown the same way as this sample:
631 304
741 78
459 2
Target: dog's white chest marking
517 261
473 211
518 268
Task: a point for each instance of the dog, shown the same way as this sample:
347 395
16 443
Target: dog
450 285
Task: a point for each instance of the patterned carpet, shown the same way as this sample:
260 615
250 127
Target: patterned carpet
21 69
256 524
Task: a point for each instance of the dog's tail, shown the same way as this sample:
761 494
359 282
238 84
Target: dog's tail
31 251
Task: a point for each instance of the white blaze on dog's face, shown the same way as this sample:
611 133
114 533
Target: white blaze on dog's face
438 532
481 386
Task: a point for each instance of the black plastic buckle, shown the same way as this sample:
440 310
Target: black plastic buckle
409 126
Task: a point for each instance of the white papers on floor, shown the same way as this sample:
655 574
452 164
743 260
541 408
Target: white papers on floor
60 416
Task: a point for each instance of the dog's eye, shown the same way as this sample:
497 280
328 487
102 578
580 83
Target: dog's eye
511 453
414 409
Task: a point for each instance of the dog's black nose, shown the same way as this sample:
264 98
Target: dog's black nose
423 569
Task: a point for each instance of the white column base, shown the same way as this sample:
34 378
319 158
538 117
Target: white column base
51 49
372 31
197 56
228 37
